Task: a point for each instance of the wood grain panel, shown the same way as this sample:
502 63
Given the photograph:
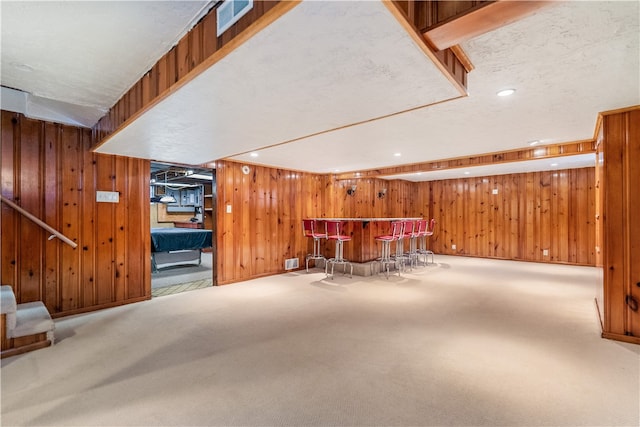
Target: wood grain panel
519 222
619 182
49 170
29 193
69 175
264 227
88 255
51 213
10 131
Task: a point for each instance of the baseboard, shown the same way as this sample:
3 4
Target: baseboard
620 337
24 349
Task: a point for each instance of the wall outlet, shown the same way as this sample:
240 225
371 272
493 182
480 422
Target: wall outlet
495 191
453 247
545 252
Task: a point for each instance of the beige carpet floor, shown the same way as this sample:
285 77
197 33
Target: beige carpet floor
462 342
173 275
181 287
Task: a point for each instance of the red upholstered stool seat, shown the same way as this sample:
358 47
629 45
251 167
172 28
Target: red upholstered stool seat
428 232
386 259
315 230
406 234
335 233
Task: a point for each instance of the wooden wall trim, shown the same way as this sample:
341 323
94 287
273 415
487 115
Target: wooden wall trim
523 154
598 127
484 17
100 307
621 337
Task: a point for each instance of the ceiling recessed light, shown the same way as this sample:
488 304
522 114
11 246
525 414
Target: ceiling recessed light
554 164
534 142
506 92
254 154
467 172
397 154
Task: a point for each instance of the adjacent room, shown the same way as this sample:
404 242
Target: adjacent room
322 213
181 228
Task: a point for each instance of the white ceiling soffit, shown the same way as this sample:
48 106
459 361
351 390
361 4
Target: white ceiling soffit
568 62
36 107
75 59
321 66
557 163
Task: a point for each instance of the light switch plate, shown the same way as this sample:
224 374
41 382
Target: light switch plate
108 196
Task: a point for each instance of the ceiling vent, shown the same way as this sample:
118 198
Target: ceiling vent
230 12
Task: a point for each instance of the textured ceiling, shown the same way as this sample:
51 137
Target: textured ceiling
295 78
87 53
312 85
567 62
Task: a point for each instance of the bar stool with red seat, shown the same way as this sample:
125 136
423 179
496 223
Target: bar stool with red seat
312 229
385 254
419 228
335 232
407 231
423 241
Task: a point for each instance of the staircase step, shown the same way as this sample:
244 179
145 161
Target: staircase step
32 318
25 327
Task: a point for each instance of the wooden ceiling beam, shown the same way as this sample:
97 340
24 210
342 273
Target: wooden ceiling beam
479 20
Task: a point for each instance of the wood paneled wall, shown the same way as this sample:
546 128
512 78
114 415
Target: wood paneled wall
426 14
552 210
400 199
264 226
49 170
531 212
619 181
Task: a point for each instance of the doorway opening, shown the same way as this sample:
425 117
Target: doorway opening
182 228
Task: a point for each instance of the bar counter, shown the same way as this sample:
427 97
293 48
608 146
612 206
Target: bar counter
362 247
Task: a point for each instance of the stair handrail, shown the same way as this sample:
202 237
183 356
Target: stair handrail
53 231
